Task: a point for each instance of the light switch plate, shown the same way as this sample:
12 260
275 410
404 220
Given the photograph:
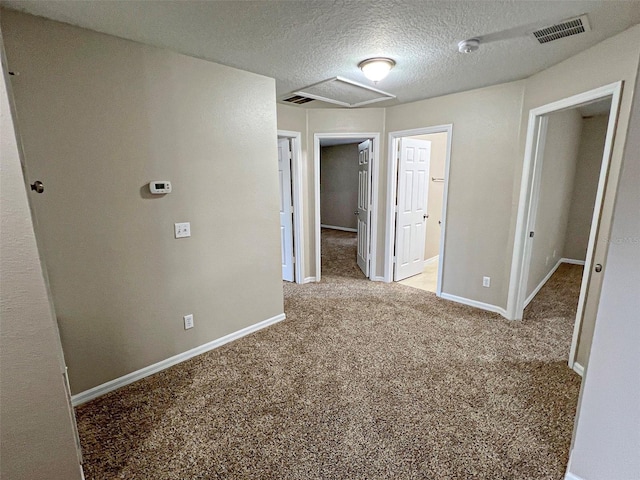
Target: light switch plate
188 321
183 229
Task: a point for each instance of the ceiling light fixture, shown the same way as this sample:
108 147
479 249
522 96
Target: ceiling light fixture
469 46
375 69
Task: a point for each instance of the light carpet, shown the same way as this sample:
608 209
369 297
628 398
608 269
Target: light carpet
364 380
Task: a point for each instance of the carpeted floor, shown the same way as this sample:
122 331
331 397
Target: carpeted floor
363 380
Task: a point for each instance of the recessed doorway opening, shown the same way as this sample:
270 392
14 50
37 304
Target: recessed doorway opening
565 175
346 193
417 198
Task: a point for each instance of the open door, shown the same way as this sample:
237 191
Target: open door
365 152
286 210
413 173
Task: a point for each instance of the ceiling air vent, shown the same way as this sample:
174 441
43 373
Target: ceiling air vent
298 100
566 28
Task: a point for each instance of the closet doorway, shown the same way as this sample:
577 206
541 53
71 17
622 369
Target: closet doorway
418 179
548 223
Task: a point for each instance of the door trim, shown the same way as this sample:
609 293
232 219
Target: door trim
296 198
373 227
529 191
392 175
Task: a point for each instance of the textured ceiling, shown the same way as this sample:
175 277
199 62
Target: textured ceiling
303 42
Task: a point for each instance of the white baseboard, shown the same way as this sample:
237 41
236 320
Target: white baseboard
572 261
344 229
541 284
378 278
571 476
112 385
431 260
309 280
473 303
579 369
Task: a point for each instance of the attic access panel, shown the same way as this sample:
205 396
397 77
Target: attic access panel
341 91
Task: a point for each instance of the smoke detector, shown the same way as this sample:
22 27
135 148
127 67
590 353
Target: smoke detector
469 46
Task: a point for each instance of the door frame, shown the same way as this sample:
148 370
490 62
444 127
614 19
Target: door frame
296 198
374 164
530 191
392 183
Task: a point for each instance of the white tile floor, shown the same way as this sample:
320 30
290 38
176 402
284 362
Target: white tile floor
427 280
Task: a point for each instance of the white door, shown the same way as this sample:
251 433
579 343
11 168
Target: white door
286 210
413 185
365 152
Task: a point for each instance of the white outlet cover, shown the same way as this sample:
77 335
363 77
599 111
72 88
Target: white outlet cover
188 321
182 230
486 281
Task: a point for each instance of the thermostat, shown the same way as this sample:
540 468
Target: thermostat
159 187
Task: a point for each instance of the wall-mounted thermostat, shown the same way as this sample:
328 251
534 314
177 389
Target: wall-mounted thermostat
159 187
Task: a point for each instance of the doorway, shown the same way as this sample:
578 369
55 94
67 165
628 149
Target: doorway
417 197
290 181
339 213
541 232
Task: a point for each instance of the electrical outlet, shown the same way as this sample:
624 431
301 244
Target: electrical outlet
486 282
188 321
182 229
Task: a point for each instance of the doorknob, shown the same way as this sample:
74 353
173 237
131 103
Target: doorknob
425 216
37 186
598 268
356 212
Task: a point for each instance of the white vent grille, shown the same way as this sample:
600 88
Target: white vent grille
298 99
567 28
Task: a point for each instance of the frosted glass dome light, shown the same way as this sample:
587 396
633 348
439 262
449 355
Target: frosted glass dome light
375 69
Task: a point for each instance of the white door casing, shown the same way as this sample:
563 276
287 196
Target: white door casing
413 184
365 150
286 210
529 190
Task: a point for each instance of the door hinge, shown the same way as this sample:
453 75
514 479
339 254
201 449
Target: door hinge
293 259
395 259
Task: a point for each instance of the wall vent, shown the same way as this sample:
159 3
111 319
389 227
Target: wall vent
298 99
566 28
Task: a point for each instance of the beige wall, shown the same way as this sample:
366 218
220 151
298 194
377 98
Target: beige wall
484 143
607 435
99 122
293 119
594 130
436 191
37 437
559 160
339 185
